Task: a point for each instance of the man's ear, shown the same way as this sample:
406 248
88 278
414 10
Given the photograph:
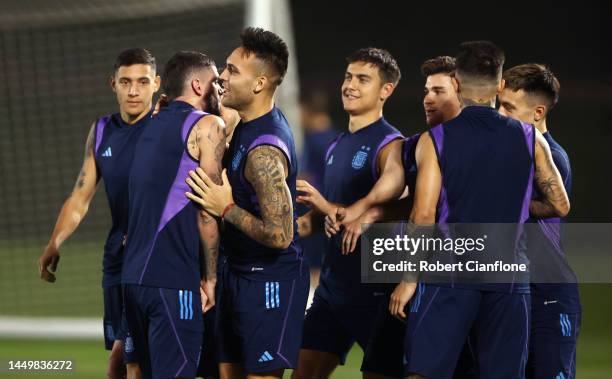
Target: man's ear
260 83
501 86
196 86
157 83
539 113
386 91
112 83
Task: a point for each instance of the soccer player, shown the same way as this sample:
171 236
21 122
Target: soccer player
476 168
109 152
163 274
343 308
264 284
531 91
441 104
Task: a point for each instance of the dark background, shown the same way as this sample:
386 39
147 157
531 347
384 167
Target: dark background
574 41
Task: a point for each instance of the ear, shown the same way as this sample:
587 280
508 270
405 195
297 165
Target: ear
386 91
539 113
196 86
157 83
501 86
112 82
260 84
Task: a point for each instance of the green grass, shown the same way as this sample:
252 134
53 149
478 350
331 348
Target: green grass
77 293
90 358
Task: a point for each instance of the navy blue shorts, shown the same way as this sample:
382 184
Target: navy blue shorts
552 344
164 330
385 350
113 313
334 329
259 324
441 319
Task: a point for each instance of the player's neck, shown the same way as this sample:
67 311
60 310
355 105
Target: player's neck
477 102
256 109
541 126
131 120
193 101
360 121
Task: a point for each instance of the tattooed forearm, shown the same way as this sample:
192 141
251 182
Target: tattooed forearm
209 235
266 171
548 179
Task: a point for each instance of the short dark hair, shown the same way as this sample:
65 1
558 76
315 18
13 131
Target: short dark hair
179 67
534 78
133 56
382 59
438 65
480 59
269 48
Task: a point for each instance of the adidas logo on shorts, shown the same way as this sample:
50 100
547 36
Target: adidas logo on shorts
266 357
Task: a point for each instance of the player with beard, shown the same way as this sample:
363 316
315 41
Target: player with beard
167 286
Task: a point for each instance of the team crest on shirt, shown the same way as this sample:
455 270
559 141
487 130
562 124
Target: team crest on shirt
330 160
238 157
360 157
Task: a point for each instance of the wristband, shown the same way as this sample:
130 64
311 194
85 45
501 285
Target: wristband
227 209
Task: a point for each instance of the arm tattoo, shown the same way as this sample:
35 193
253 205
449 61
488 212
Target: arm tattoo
213 141
81 179
216 136
89 153
265 170
194 142
210 245
547 183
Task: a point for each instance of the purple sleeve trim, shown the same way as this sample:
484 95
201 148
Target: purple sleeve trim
530 139
271 139
529 136
437 134
99 132
332 146
388 138
190 121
